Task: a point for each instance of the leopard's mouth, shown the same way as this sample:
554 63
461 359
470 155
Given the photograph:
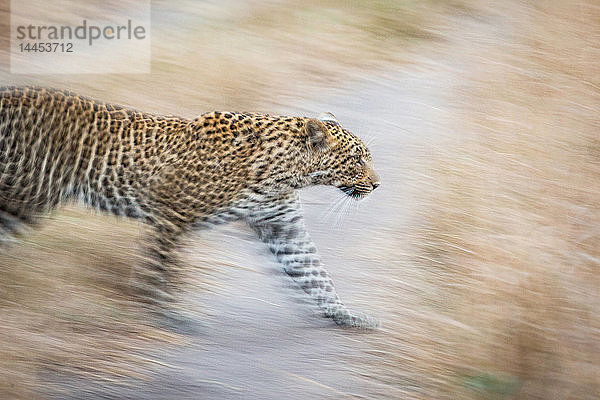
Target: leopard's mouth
354 191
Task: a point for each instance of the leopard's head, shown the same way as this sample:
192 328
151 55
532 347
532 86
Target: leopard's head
338 158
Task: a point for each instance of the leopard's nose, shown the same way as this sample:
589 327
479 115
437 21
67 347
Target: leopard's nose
375 185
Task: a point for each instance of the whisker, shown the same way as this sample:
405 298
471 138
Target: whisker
370 138
348 208
333 207
371 142
342 213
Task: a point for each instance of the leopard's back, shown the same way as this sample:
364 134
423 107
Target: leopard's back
56 146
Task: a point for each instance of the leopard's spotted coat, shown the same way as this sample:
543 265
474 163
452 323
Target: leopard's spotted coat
178 174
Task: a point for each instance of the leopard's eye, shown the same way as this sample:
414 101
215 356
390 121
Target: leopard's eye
359 160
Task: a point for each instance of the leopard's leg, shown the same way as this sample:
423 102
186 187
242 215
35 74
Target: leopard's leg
152 276
280 224
153 280
11 225
19 206
156 279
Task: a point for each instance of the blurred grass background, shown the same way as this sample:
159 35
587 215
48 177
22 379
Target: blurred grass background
514 214
506 254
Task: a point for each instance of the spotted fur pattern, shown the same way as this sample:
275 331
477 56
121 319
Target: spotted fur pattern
177 175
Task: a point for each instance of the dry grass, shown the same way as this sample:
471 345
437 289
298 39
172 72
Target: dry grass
503 299
63 289
64 305
206 56
513 236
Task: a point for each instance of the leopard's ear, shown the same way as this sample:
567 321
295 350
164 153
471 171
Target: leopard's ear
327 116
319 138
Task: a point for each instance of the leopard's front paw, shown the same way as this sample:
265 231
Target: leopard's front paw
355 319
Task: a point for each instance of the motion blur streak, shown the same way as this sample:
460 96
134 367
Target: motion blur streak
479 252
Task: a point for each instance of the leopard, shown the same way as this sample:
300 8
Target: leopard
179 175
